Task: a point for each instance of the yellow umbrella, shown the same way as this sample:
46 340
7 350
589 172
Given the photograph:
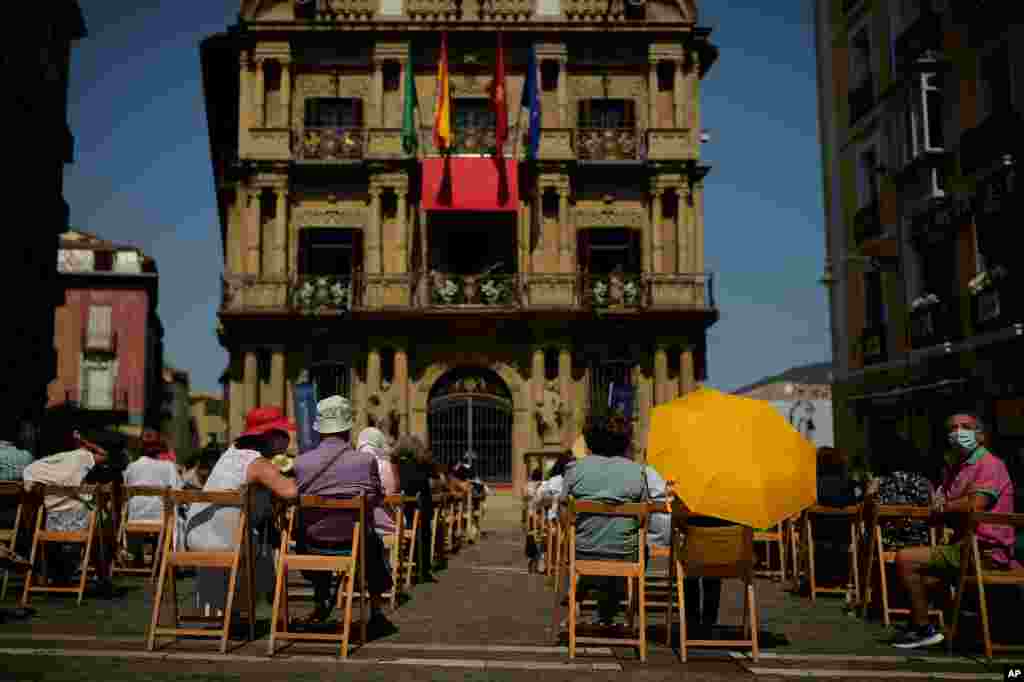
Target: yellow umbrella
579 448
734 458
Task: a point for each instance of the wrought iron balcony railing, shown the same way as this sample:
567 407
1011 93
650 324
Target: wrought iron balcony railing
330 144
607 144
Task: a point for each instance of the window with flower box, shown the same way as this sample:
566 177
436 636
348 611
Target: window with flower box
330 251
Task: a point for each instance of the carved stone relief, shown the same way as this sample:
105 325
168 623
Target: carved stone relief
585 86
608 216
340 216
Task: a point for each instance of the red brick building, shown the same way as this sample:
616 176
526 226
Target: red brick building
108 335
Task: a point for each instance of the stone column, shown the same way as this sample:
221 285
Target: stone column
655 259
289 393
378 92
687 381
267 395
644 400
566 246
564 115
697 227
251 382
404 236
660 375
652 92
677 94
236 243
565 391
279 246
683 245
286 92
254 230
401 385
276 392
373 238
261 94
236 400
537 375
372 372
245 99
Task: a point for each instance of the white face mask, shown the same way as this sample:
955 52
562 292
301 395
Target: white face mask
966 439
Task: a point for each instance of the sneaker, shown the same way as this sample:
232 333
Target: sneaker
919 637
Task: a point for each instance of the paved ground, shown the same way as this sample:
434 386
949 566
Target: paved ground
484 619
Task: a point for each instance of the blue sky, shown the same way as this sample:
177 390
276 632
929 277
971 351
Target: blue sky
142 175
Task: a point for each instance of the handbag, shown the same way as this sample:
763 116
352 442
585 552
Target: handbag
301 547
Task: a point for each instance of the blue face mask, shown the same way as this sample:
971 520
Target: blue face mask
967 439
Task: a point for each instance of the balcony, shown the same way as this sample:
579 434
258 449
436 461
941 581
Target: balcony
491 290
468 142
555 144
321 294
594 10
861 100
616 290
931 325
671 144
244 293
330 144
505 10
867 223
920 43
385 143
433 10
985 145
873 345
693 290
270 144
607 144
347 10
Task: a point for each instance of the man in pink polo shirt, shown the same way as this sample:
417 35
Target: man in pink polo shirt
976 480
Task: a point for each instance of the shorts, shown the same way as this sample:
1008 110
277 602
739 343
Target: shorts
945 561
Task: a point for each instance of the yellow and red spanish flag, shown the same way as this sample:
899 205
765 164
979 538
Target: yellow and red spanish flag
443 109
498 102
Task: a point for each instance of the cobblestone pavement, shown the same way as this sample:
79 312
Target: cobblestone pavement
485 618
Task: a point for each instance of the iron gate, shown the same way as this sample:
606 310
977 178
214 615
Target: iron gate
473 422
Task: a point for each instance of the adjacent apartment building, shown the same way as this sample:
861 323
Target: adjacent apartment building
485 298
920 109
36 59
108 335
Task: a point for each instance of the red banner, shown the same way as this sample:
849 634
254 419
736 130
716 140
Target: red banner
470 184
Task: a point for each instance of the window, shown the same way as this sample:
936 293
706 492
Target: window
330 251
75 260
473 113
867 176
607 113
860 59
924 116
127 261
334 112
98 388
602 251
995 76
99 334
876 313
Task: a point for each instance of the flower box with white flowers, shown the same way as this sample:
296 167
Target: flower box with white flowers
324 293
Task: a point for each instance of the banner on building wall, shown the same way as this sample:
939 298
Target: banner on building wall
620 399
471 183
305 413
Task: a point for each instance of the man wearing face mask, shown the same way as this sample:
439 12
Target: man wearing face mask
975 480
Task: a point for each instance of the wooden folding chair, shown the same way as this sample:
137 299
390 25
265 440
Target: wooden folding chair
393 545
630 570
438 550
774 536
410 540
714 552
976 569
791 529
237 558
11 495
94 498
144 528
351 565
875 518
852 515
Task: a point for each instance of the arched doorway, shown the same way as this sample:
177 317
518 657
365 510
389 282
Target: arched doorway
470 410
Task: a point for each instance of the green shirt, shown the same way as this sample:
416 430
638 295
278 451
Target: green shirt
610 480
13 462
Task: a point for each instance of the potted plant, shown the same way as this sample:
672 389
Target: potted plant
322 292
445 290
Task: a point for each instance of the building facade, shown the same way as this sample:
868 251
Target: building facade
208 413
486 304
108 336
37 60
803 395
177 425
920 108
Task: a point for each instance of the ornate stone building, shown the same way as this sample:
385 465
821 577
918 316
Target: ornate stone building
489 325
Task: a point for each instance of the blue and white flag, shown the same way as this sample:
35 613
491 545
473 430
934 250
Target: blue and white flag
531 102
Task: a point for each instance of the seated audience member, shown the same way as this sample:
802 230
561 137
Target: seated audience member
901 481
148 470
605 475
196 477
415 469
975 480
373 442
211 527
70 466
14 457
334 469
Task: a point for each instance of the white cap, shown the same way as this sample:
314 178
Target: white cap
333 415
